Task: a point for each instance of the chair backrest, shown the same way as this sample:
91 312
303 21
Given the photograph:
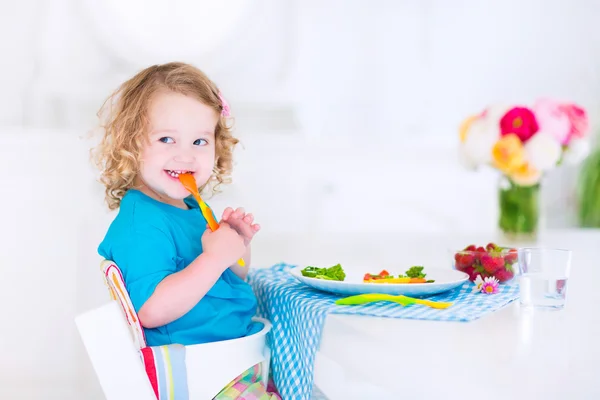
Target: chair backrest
115 359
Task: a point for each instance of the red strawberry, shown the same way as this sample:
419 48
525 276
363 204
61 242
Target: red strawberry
480 252
511 257
491 264
491 247
458 261
488 263
504 275
471 247
472 272
465 261
468 270
499 260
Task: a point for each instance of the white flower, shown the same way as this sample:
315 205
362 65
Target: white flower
542 151
477 148
481 135
478 284
578 150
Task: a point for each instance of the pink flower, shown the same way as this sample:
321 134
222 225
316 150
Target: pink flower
553 119
226 112
579 120
490 285
521 121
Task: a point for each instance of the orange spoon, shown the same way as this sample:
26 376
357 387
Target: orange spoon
189 183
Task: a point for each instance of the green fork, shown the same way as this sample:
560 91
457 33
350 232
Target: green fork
403 300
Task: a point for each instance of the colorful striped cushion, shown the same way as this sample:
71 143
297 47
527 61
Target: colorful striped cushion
116 285
165 366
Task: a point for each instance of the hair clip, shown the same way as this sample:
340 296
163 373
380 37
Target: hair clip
226 111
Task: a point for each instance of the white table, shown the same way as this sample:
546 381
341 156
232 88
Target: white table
514 353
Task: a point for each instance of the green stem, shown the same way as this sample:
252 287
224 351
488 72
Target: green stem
519 208
589 192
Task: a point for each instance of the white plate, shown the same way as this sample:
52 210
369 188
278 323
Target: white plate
445 279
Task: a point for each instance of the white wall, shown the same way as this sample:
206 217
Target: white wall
338 112
38 254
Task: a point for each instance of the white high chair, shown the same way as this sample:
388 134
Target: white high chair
113 337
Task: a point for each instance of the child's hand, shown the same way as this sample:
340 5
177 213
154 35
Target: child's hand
225 245
241 222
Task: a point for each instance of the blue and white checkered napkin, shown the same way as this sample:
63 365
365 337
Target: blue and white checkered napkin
298 312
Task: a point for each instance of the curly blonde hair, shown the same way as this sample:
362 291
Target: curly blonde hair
124 121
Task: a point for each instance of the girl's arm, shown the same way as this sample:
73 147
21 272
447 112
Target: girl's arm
179 292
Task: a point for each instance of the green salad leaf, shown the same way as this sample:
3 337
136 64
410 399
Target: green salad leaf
334 273
415 272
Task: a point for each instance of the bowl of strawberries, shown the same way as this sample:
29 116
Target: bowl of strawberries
491 260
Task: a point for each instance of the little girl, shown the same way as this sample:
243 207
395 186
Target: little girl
183 279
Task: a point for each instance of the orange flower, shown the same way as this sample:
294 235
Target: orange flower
525 175
508 153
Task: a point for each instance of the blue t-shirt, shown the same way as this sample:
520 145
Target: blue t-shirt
150 240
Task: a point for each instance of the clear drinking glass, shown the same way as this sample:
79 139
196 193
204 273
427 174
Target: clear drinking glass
544 274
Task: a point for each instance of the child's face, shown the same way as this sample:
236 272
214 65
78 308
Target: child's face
181 138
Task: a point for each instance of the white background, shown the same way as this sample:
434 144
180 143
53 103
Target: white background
347 112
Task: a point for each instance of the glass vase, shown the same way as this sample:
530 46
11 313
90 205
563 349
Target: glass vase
519 213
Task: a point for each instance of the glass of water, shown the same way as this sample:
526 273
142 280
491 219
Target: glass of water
544 274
